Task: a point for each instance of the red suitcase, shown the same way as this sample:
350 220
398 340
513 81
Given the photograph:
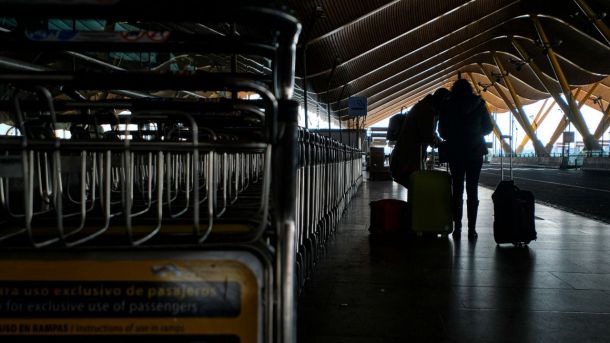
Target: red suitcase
389 216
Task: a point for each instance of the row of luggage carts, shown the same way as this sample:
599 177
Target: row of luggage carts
135 175
329 175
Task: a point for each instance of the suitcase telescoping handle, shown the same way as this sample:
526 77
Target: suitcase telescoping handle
422 162
510 158
436 157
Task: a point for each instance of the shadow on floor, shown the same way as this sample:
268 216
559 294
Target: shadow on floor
452 290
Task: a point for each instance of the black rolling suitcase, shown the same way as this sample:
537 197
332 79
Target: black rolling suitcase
513 212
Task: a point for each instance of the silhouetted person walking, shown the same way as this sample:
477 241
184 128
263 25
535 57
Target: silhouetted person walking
463 123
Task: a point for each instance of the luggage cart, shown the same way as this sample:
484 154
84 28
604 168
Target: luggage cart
173 200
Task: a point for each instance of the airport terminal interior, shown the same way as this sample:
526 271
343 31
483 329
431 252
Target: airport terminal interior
225 171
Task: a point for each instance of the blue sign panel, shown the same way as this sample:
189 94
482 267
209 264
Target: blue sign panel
357 106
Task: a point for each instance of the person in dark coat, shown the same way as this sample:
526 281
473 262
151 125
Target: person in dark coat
463 123
416 134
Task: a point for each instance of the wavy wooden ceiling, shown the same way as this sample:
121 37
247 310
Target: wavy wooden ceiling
396 52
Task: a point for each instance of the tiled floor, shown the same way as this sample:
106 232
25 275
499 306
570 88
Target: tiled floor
452 290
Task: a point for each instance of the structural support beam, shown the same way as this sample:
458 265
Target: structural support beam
501 93
497 132
505 146
604 124
540 117
549 88
561 126
564 122
519 113
573 114
539 114
595 19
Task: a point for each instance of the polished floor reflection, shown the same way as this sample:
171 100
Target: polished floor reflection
453 290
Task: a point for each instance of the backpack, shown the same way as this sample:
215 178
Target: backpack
394 126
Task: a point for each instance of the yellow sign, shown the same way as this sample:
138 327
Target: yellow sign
213 299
